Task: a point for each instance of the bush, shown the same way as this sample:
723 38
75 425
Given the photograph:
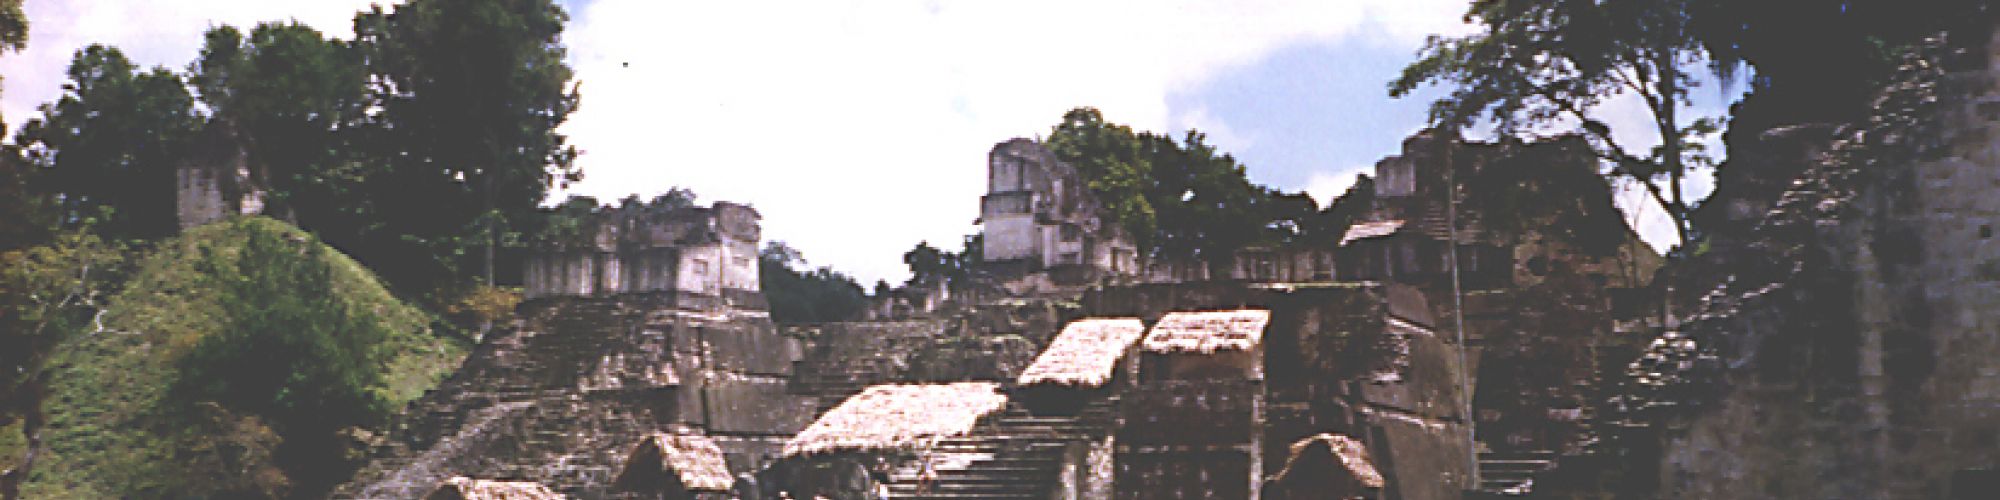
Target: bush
293 352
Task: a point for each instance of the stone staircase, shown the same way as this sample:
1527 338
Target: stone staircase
515 410
1512 473
1017 454
831 382
848 357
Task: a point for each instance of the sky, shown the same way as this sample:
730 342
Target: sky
860 128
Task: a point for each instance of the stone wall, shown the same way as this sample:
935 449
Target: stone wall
1853 352
563 395
1357 359
699 251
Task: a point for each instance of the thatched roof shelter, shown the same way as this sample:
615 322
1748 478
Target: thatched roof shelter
1328 466
691 463
898 416
1086 352
1372 229
465 488
1207 332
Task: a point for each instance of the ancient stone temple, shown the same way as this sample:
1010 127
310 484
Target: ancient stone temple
704 257
216 180
652 327
1849 347
1042 226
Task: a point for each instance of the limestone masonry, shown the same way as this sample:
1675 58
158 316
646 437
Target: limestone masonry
1486 326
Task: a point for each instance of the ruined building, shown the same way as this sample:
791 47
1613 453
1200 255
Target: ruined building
1847 346
1044 231
644 365
1166 391
700 257
216 180
654 325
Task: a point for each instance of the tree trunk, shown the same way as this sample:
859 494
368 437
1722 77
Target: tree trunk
1670 145
492 232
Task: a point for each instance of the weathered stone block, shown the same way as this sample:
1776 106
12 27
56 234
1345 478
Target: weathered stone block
754 405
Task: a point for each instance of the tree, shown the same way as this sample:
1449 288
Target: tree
472 92
1109 158
107 149
797 295
1182 200
295 352
23 221
1546 62
293 99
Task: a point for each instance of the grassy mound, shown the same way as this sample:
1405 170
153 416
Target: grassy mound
122 421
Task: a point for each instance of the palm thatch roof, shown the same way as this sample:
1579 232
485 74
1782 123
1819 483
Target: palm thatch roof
1323 450
1373 229
695 462
465 488
898 416
1085 353
1207 332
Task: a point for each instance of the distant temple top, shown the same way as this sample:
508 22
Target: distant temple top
689 252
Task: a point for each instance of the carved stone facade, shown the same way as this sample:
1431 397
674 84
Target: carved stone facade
1040 219
704 255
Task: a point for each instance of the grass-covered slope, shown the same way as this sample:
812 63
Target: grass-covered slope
122 419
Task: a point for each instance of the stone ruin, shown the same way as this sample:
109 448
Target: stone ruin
702 257
217 180
1843 342
1044 231
650 327
651 324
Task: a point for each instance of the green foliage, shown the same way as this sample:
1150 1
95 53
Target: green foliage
291 351
929 264
1177 199
472 92
1329 226
118 424
47 294
1110 159
110 145
798 295
295 100
1539 63
13 26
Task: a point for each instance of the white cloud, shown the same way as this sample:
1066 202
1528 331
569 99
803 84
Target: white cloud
150 32
857 127
861 128
1327 186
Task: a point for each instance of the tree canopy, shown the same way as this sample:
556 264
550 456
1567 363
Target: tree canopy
800 294
472 92
295 101
1543 63
105 152
1178 199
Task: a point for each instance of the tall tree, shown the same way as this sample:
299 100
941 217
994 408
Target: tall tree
292 97
1537 63
1109 157
21 220
1178 199
107 149
472 92
799 295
